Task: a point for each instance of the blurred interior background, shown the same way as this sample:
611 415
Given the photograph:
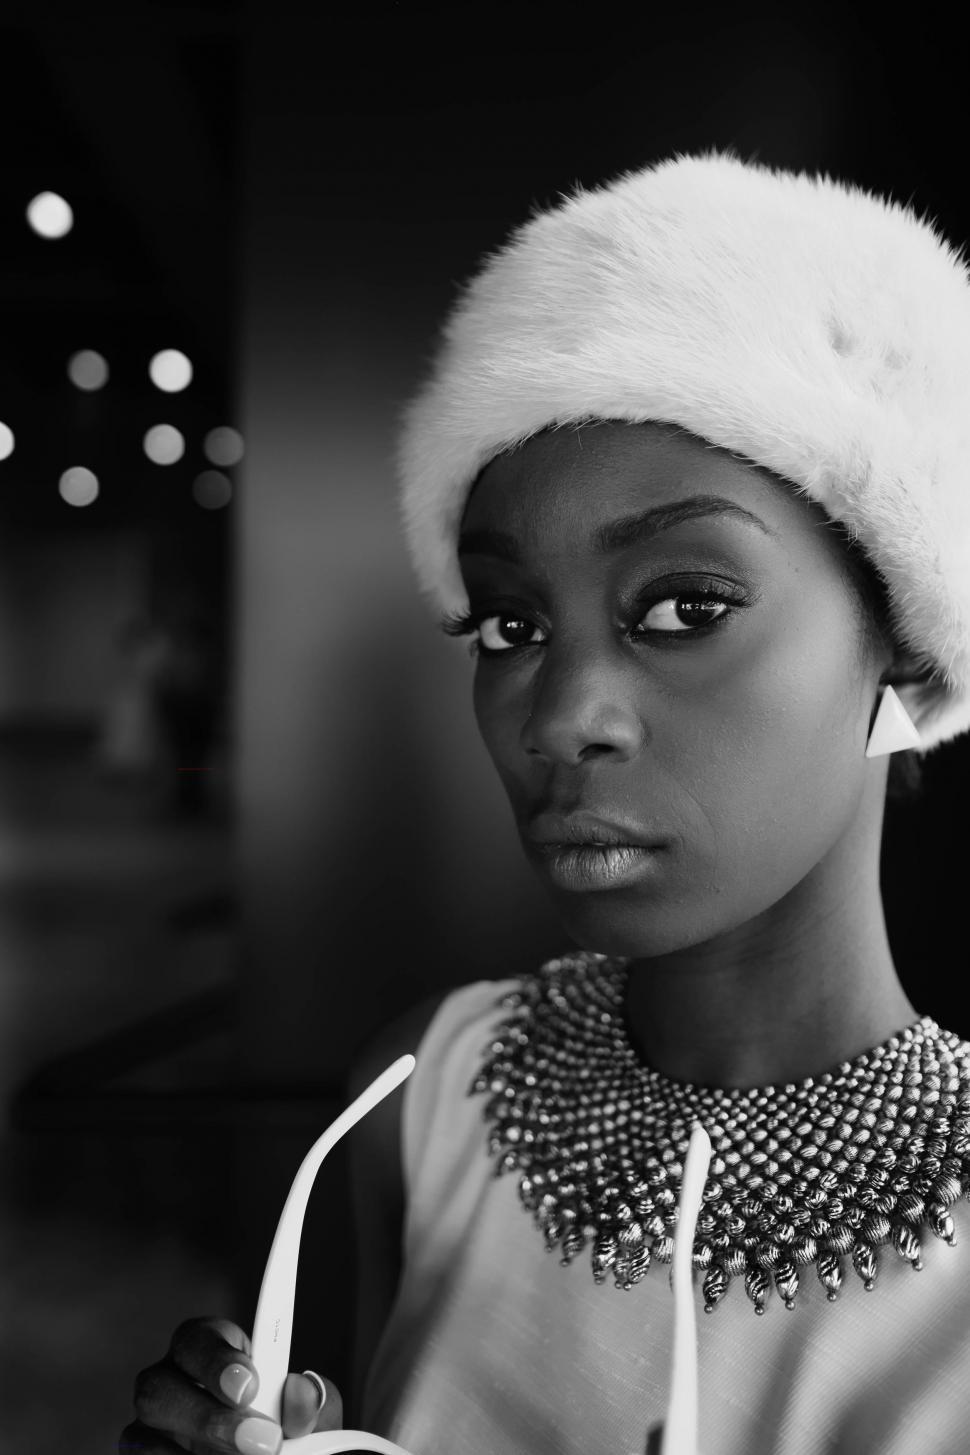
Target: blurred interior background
245 816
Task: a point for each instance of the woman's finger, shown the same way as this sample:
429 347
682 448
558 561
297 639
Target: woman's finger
303 1413
216 1353
138 1439
168 1400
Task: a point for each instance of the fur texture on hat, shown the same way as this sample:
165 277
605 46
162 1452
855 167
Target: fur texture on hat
797 321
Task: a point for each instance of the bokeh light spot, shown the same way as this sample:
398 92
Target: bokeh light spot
212 490
6 441
88 369
49 215
164 444
223 446
78 486
170 370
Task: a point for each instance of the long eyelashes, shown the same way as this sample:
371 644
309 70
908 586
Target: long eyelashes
461 623
464 623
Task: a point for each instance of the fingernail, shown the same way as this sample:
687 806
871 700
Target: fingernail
234 1380
258 1437
312 1374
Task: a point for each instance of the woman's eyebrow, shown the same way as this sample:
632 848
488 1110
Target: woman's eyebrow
618 534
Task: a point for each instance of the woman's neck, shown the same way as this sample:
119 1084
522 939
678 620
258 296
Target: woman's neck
788 995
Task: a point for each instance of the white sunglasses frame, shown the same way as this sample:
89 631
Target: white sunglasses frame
273 1326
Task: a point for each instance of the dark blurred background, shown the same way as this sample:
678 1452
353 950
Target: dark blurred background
245 816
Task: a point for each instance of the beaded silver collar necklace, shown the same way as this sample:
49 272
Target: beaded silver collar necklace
865 1156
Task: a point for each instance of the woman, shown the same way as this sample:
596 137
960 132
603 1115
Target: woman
691 471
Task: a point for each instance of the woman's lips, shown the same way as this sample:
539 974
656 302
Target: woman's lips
595 866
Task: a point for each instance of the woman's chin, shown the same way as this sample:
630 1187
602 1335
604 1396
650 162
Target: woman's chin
624 931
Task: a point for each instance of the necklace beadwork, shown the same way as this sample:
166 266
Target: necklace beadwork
824 1171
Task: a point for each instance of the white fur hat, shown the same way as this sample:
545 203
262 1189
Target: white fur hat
800 322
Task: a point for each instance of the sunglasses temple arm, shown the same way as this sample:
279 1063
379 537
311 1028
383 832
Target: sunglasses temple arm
680 1426
273 1328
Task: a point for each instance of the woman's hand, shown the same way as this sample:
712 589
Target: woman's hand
196 1398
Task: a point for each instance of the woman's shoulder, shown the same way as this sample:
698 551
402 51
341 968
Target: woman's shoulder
398 1037
405 1033
440 1031
376 1154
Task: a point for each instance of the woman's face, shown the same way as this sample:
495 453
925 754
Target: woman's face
705 683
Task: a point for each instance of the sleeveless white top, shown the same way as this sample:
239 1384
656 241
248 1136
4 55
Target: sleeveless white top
493 1348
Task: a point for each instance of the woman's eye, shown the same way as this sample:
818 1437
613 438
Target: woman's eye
668 609
672 615
493 641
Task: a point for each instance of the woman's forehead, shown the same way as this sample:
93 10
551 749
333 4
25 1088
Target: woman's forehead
579 479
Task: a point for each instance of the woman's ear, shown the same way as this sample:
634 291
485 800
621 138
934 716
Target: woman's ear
907 666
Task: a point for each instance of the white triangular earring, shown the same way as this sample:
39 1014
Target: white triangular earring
893 728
